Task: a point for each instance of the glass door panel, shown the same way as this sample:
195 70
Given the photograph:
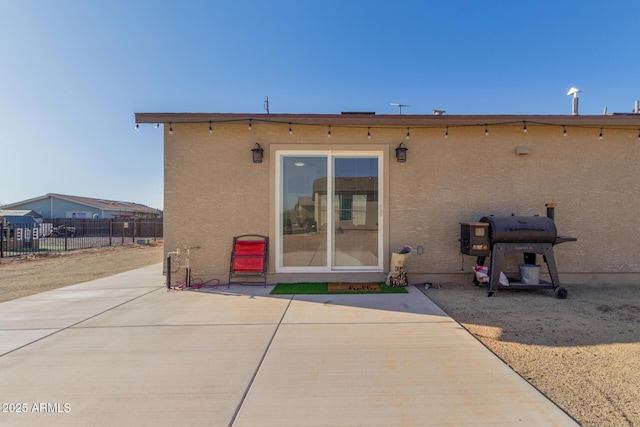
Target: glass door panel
329 211
355 211
303 211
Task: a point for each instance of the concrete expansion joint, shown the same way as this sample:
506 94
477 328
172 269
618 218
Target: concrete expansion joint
264 355
58 330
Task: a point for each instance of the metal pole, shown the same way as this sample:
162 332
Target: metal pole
1 239
169 272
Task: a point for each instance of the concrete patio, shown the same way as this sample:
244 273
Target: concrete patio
123 350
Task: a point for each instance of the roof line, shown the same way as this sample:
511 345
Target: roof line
397 120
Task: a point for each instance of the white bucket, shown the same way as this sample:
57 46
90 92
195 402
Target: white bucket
529 274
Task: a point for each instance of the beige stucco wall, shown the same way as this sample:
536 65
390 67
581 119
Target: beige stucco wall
213 191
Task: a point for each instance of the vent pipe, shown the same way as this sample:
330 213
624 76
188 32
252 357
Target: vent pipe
636 107
551 210
574 106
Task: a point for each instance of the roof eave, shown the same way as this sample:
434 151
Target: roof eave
632 120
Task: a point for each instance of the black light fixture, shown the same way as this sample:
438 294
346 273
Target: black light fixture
401 153
257 153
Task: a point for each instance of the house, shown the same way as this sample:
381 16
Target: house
18 232
64 206
338 193
24 212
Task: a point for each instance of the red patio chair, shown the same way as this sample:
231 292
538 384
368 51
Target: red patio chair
249 259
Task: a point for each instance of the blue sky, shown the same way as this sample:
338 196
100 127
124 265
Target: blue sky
73 73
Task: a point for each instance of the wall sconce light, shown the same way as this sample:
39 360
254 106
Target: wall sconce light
401 153
521 150
257 151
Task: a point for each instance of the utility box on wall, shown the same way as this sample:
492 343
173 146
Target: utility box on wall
474 238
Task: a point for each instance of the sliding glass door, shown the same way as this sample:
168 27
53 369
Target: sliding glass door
329 210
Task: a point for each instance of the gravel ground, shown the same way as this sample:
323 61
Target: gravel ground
582 352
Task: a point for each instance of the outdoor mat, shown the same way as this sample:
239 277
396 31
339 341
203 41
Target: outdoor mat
353 287
335 288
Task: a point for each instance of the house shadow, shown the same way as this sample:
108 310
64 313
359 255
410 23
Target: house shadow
413 305
591 315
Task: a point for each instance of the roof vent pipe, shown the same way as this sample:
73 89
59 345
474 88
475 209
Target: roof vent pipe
574 106
636 107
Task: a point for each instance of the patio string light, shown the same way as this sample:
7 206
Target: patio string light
526 125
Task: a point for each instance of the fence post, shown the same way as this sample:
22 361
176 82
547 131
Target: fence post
133 239
2 239
110 231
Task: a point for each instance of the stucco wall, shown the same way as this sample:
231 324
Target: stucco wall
213 191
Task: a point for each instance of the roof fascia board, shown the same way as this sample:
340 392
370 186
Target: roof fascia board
632 120
35 199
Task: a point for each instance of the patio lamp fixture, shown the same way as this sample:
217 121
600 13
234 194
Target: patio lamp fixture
257 152
401 153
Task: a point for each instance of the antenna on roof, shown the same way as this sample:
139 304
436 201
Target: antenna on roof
266 104
400 106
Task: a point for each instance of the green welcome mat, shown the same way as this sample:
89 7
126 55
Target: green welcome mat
336 288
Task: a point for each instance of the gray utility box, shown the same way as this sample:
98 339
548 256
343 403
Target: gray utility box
474 238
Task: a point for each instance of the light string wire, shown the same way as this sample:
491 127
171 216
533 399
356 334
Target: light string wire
370 128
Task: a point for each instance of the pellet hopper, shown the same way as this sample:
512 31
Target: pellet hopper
499 236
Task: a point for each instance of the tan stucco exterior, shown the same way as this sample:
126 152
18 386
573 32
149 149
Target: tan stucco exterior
213 191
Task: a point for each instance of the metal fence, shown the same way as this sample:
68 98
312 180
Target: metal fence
55 235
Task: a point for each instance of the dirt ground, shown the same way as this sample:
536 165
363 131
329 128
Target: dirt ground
23 276
582 352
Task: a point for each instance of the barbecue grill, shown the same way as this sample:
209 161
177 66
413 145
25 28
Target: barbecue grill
498 236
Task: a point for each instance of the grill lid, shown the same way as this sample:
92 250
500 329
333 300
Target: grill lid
521 229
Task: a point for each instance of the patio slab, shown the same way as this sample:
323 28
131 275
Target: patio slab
168 376
125 351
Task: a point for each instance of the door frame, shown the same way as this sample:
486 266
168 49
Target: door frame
381 151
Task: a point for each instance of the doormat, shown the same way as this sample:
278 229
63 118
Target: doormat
306 288
353 287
